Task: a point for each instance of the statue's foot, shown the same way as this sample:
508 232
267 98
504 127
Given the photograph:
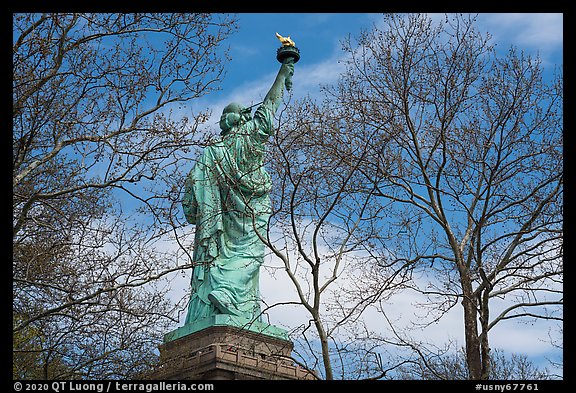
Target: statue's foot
217 299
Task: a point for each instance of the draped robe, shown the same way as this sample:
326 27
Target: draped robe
227 198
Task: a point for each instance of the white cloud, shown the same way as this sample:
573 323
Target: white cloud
405 310
309 78
520 337
536 31
244 51
404 307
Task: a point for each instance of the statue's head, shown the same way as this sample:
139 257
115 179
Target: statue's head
233 115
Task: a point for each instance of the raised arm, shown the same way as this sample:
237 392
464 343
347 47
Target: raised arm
284 78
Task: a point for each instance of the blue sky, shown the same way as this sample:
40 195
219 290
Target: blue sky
318 35
253 51
253 47
252 70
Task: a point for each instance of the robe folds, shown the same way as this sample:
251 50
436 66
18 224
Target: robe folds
227 198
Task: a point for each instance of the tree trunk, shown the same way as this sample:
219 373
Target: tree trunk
324 344
473 357
484 321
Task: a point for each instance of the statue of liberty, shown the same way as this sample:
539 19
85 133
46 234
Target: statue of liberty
227 198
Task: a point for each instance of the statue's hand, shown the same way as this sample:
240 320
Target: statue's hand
288 67
288 71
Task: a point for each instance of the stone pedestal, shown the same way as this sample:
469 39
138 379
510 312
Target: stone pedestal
221 350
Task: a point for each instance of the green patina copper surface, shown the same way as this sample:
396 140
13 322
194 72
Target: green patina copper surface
227 199
227 320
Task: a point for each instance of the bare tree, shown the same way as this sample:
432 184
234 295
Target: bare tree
452 366
325 228
467 148
97 138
